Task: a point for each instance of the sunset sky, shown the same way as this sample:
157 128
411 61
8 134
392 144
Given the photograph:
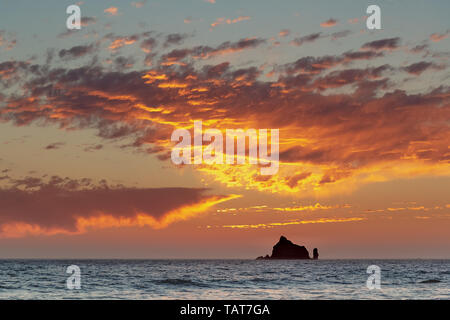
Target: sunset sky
86 118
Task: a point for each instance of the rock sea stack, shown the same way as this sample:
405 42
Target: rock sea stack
315 254
285 249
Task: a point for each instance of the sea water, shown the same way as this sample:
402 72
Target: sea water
224 279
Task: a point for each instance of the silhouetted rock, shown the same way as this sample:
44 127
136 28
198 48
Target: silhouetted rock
315 254
285 249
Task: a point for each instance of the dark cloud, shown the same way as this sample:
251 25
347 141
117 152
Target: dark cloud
306 39
175 39
383 44
349 76
361 55
54 146
86 21
420 48
76 52
122 63
60 203
316 65
419 67
149 44
206 52
9 69
293 181
340 34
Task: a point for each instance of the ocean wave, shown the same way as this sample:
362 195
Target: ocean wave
430 281
258 279
180 282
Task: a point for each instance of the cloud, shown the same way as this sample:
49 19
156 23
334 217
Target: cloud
315 207
420 67
437 37
91 148
32 206
340 34
329 23
293 181
138 4
345 119
206 52
284 33
76 52
175 39
420 48
7 40
306 39
316 65
293 222
340 78
383 44
54 146
319 35
220 21
112 11
148 44
10 69
118 42
122 63
87 21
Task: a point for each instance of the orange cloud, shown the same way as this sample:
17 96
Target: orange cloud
105 220
315 207
74 206
220 21
338 127
329 23
284 33
112 11
293 222
122 41
138 4
436 37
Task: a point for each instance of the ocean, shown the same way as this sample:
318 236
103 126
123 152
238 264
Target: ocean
224 279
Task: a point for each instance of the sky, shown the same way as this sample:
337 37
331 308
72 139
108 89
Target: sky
86 118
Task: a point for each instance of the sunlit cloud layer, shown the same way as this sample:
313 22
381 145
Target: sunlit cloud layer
339 121
372 112
32 206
